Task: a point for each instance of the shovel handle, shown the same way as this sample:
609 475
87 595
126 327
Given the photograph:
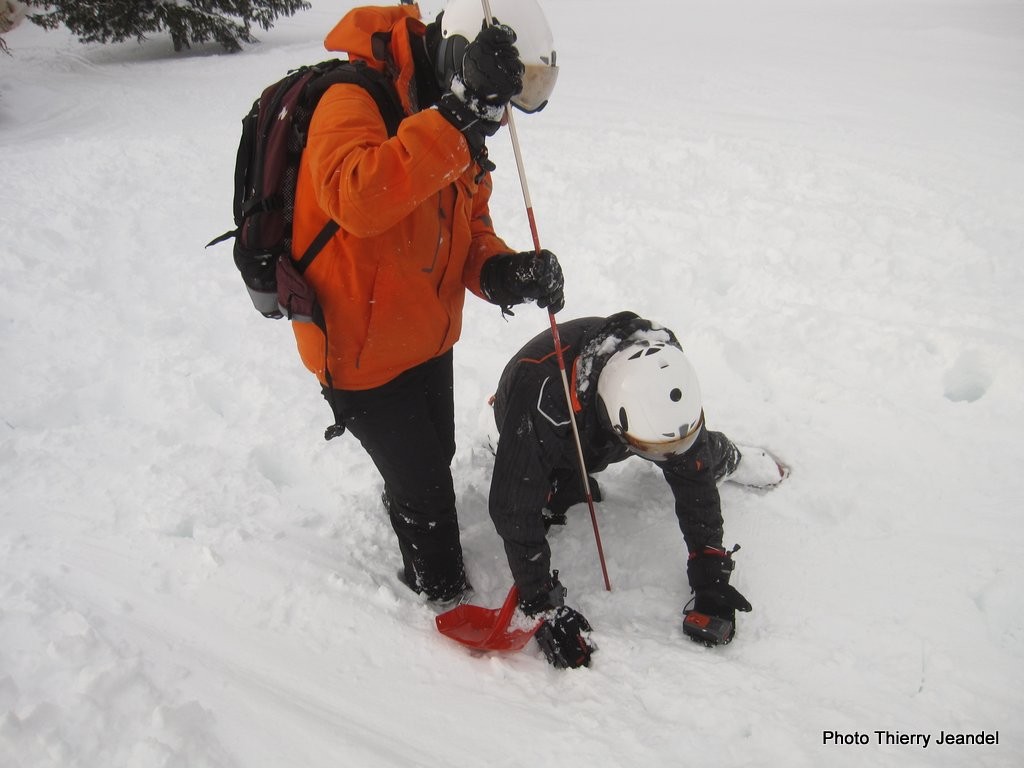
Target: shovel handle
505 614
508 609
504 617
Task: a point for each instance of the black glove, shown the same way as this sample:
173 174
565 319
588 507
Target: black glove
708 571
517 277
492 72
490 75
561 637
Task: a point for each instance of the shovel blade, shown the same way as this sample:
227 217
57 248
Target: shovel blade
486 629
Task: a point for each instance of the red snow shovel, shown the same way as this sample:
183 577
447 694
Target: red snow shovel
486 629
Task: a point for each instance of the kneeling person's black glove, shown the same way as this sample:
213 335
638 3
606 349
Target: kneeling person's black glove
513 278
561 634
708 572
561 637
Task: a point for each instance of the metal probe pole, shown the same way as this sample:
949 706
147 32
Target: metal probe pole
554 330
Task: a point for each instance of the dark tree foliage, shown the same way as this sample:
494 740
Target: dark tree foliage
228 22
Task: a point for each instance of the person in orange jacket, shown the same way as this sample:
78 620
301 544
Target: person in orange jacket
415 234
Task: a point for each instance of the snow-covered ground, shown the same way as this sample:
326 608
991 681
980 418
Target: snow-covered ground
823 198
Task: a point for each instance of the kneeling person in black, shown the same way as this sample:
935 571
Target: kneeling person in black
634 392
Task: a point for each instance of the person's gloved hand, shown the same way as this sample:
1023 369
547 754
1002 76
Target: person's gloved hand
564 638
513 278
490 75
564 633
708 571
492 72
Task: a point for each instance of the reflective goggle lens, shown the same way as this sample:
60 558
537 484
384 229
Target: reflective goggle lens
538 83
663 450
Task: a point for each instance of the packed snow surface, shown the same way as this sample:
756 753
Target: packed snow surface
823 199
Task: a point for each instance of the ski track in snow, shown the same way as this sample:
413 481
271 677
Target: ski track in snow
822 199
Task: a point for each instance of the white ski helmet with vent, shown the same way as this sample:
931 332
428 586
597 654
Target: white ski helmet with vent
462 20
652 397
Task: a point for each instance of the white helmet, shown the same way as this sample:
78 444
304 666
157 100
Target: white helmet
462 20
652 397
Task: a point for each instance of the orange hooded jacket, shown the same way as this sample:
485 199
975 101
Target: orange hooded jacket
415 229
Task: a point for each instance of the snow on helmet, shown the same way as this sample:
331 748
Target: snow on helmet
462 20
652 398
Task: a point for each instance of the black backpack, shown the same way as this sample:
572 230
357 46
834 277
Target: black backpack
274 133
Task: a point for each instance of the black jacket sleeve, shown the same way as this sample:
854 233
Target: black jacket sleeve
693 480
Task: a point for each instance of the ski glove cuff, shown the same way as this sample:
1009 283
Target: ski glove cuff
513 278
709 566
551 595
474 128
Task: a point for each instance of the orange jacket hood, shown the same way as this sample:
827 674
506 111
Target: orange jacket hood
368 34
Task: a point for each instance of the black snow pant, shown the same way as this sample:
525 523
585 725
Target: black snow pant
407 427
